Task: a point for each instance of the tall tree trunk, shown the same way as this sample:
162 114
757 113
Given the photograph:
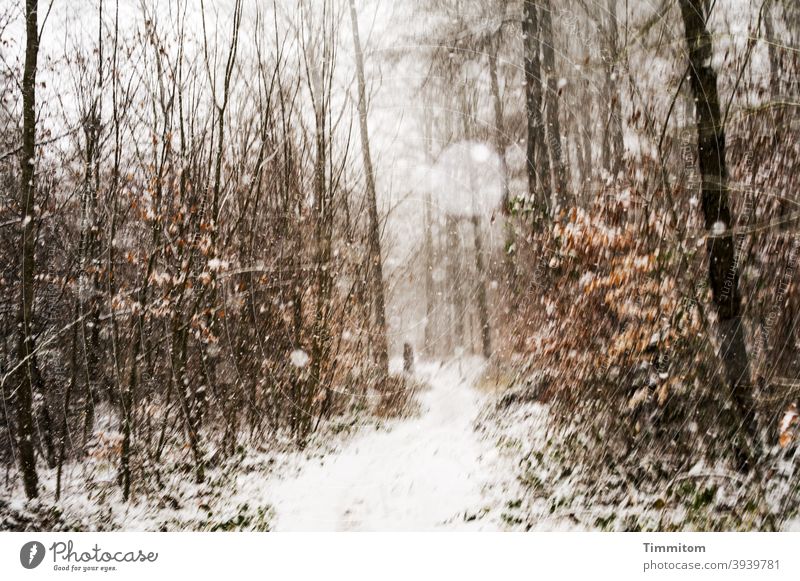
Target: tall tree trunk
480 283
723 266
499 125
585 129
483 307
28 366
444 315
772 51
586 153
501 145
89 247
212 355
551 102
381 345
613 146
537 164
320 85
455 285
321 336
430 292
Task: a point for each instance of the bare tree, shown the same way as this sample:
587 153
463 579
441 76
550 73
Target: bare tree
430 293
381 346
723 273
499 123
29 373
612 147
551 106
468 107
538 166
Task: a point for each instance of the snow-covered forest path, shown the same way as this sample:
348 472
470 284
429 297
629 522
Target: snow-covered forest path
421 473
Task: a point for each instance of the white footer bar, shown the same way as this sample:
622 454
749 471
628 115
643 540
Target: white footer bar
388 556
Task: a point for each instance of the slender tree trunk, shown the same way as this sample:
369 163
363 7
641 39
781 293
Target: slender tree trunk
28 371
430 292
772 51
381 344
111 282
319 84
64 432
189 412
551 102
585 128
321 336
444 317
480 283
89 253
221 110
723 265
455 283
613 146
538 168
483 307
501 145
499 126
126 403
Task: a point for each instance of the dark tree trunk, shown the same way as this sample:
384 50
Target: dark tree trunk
499 125
723 266
537 164
585 129
483 307
320 84
408 358
613 145
772 51
89 256
454 281
552 107
28 371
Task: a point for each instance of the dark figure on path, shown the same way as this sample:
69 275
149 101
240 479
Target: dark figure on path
408 358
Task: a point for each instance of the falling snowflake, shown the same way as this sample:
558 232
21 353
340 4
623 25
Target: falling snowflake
719 228
299 358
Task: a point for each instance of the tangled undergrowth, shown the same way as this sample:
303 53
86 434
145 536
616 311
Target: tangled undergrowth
618 341
167 497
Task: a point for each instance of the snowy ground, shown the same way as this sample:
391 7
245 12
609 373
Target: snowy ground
431 471
423 473
469 460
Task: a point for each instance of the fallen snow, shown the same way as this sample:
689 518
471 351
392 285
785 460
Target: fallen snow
423 473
